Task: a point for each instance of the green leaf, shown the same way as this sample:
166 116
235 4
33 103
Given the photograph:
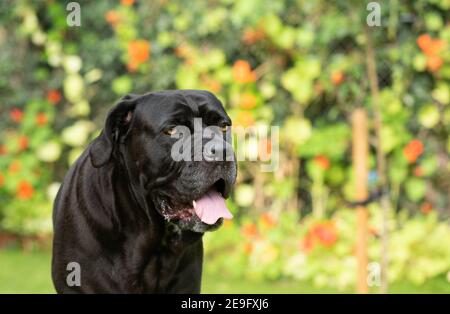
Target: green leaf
415 189
122 85
429 116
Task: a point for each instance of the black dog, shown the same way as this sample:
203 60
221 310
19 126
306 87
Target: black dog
128 213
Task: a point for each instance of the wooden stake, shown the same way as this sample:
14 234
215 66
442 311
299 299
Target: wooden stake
360 169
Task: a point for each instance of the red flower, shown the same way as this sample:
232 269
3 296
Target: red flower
426 208
242 72
322 161
326 233
25 190
413 150
2 180
23 142
16 115
41 119
54 96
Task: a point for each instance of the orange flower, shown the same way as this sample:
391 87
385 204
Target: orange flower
41 119
16 115
24 190
248 248
267 221
322 161
265 149
127 2
138 53
3 150
413 150
245 119
418 171
326 233
252 36
337 77
247 101
54 96
15 167
424 41
307 244
426 208
2 180
242 72
436 47
430 46
23 142
112 17
434 63
211 84
249 230
214 86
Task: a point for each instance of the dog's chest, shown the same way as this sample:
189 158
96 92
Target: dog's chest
174 264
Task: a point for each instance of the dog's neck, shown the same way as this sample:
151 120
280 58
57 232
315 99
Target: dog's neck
176 238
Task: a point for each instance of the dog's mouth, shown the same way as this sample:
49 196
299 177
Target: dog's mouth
209 207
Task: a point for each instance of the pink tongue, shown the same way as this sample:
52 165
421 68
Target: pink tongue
210 207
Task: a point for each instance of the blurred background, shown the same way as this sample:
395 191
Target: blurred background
304 66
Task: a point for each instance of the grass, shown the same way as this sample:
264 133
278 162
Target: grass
25 272
29 272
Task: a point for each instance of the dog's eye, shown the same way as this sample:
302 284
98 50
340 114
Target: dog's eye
171 131
224 128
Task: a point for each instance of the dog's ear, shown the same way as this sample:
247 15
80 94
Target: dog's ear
117 125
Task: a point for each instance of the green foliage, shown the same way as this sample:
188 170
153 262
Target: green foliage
322 251
297 65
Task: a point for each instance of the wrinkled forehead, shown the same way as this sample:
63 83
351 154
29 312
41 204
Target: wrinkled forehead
160 108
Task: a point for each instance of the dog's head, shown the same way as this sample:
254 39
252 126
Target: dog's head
176 148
